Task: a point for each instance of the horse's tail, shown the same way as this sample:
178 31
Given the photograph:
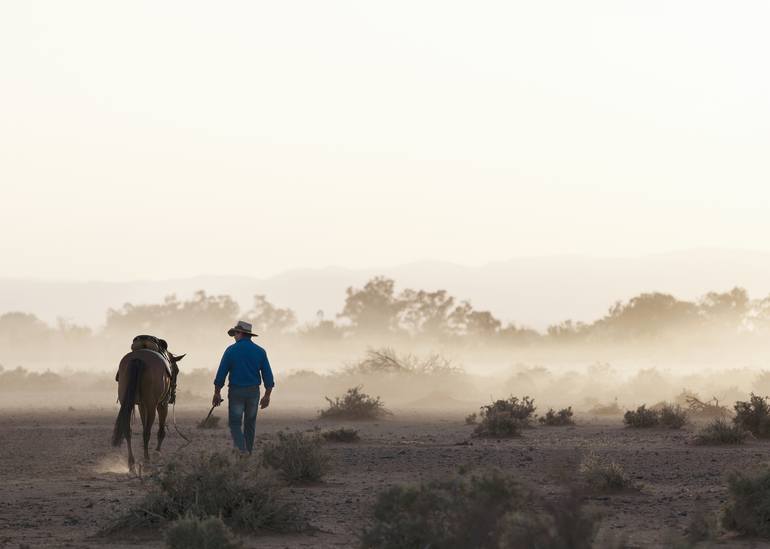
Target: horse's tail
123 421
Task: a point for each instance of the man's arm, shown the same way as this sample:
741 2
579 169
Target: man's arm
219 380
267 380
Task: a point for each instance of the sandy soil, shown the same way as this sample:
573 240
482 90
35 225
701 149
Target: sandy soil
62 482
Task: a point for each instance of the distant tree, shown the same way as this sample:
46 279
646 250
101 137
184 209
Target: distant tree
203 316
267 318
647 316
568 331
727 310
519 335
465 320
425 313
21 328
321 330
373 309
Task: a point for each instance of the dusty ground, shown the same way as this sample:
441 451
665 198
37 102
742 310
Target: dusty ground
62 482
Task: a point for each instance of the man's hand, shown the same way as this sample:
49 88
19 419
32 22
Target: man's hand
217 400
265 402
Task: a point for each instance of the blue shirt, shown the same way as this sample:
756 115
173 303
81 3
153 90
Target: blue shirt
247 364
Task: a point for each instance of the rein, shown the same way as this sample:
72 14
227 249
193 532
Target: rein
173 422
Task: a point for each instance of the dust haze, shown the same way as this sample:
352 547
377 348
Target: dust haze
418 349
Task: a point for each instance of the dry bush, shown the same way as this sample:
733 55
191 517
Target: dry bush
354 405
702 525
505 418
386 361
672 416
192 532
471 419
720 432
300 457
341 435
754 416
748 508
556 419
482 510
605 476
242 492
642 417
700 409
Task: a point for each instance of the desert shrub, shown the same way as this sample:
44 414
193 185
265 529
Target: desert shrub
192 532
612 409
245 494
672 416
354 405
211 422
555 419
562 524
754 415
341 435
748 507
386 361
641 417
471 419
300 457
481 510
603 476
702 525
720 431
505 418
700 409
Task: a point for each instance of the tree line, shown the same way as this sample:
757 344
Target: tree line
377 310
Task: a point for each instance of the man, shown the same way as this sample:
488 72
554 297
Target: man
247 365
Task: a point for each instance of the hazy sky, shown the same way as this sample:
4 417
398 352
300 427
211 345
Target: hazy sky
165 139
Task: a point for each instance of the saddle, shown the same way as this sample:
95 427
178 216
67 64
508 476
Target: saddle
157 345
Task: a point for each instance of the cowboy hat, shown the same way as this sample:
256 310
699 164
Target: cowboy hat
242 327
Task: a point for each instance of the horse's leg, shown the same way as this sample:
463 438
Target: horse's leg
162 413
131 460
149 420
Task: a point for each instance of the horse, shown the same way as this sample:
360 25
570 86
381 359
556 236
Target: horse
143 380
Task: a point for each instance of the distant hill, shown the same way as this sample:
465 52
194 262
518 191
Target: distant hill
534 291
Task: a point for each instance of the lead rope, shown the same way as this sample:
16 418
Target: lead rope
173 422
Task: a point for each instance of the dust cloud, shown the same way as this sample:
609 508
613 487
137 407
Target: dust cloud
418 350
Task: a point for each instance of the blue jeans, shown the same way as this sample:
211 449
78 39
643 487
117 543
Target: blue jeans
242 405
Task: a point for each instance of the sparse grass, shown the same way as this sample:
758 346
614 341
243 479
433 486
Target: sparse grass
242 492
341 435
354 405
748 508
720 432
211 422
560 418
642 417
605 476
672 416
192 532
486 510
754 415
300 457
505 418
